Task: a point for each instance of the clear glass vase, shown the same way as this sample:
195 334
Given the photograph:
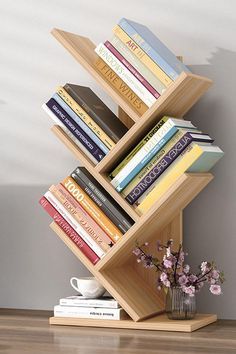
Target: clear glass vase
180 306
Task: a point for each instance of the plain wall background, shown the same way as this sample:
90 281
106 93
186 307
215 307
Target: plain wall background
35 266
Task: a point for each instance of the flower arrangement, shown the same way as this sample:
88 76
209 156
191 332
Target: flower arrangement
173 272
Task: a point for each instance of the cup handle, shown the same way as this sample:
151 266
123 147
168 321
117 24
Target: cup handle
73 285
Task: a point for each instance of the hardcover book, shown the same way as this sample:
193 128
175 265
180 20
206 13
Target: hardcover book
89 312
81 301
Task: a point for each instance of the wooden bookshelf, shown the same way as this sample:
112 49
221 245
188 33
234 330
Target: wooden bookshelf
118 271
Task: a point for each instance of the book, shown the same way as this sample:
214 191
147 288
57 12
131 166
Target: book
69 231
137 104
142 56
80 122
121 70
75 129
196 154
154 48
89 312
69 134
146 153
81 301
83 218
86 118
74 224
98 194
133 71
98 111
138 65
90 207
147 137
162 161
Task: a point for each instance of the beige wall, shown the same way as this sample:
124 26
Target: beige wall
34 264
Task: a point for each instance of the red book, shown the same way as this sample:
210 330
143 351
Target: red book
69 231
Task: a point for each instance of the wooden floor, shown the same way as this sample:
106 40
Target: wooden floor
29 332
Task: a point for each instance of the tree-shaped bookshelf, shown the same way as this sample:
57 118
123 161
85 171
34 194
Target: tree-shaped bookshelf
118 271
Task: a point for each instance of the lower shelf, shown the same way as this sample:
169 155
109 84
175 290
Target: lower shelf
157 323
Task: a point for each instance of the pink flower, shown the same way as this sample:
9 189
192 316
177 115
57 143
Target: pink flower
192 278
204 267
183 280
163 276
168 252
190 290
186 268
137 251
166 283
215 289
167 263
215 274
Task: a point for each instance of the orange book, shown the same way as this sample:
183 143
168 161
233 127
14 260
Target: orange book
92 209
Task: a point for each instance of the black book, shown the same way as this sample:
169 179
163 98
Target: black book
97 110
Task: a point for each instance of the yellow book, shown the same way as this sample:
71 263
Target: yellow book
85 117
142 56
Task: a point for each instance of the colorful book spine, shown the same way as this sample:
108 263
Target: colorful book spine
90 312
69 134
146 153
125 75
74 224
82 302
69 231
154 48
137 104
138 65
162 163
75 129
80 122
83 218
181 165
147 137
86 118
102 202
142 56
90 207
133 71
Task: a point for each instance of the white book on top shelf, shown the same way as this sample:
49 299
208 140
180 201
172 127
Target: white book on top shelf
82 301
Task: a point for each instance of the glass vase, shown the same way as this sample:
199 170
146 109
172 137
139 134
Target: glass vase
180 306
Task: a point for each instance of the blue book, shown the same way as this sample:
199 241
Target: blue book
154 48
79 121
147 158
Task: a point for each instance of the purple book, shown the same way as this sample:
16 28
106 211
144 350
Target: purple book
164 163
75 129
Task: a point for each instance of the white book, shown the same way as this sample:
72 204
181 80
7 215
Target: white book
82 301
135 85
89 312
74 224
71 136
150 144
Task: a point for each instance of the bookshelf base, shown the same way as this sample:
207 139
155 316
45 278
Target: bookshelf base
157 323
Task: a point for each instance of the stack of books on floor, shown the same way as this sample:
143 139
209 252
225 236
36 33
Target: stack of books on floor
104 308
171 148
86 120
137 64
86 213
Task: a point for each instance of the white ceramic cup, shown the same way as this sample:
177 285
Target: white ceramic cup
88 287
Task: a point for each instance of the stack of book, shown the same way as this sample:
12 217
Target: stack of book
86 213
104 308
137 64
171 148
87 121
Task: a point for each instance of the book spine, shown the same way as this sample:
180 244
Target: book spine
138 147
137 104
154 55
142 56
138 65
74 224
159 168
90 312
75 129
96 200
142 153
68 230
88 303
70 135
133 71
83 218
79 121
86 118
88 205
125 75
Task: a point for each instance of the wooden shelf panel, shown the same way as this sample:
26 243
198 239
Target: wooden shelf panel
93 170
157 323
